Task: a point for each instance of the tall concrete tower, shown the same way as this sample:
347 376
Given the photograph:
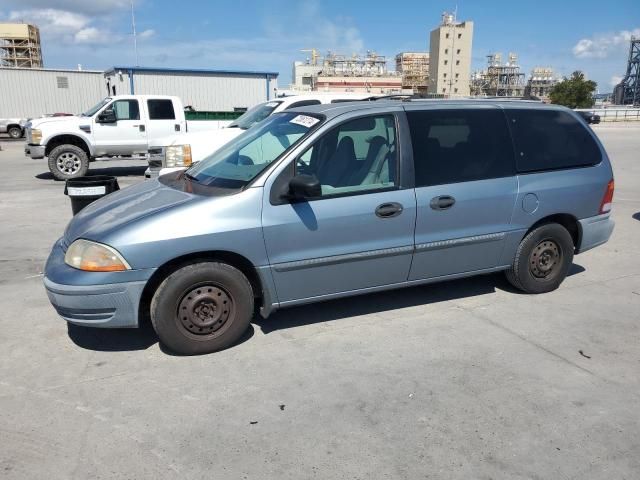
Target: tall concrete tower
450 57
20 46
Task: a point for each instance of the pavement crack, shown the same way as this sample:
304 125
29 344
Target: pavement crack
533 343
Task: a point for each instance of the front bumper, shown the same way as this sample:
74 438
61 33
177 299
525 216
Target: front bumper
34 151
595 231
109 306
95 299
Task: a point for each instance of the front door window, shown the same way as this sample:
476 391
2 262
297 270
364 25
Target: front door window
358 155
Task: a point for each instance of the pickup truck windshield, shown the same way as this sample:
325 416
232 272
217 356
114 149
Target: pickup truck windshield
92 111
254 115
241 160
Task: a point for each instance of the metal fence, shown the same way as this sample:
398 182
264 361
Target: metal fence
614 114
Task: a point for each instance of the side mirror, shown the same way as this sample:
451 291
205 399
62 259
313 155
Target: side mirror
304 186
108 116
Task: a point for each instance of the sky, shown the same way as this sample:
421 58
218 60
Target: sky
566 35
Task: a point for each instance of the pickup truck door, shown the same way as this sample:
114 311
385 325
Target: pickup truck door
165 118
126 136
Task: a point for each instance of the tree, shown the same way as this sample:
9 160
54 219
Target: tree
574 92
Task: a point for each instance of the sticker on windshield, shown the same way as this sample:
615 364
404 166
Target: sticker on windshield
304 120
273 104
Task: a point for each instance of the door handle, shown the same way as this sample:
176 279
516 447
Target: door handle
442 202
176 127
389 210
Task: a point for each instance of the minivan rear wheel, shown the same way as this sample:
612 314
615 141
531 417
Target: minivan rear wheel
202 308
542 260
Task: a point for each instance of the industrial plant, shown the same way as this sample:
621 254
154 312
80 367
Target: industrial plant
627 92
500 79
414 68
20 46
345 73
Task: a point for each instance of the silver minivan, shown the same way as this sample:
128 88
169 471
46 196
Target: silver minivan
334 200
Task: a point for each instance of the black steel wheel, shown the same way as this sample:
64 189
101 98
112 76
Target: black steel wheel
542 260
205 310
545 259
202 308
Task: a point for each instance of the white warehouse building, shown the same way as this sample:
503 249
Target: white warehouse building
30 93
212 90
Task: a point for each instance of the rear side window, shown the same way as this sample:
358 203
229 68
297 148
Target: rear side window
161 110
451 146
303 103
551 140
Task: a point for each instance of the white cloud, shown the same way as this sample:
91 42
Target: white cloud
90 7
602 45
615 80
98 33
147 33
66 27
93 35
52 21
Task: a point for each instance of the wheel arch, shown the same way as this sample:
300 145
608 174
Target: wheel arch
567 220
67 139
223 256
11 125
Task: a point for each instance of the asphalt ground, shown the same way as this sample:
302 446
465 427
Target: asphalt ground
459 380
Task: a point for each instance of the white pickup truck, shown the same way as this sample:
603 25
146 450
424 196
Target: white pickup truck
177 152
122 125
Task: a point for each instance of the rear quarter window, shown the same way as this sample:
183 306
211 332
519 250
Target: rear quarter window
551 140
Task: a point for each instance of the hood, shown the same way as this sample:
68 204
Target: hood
39 122
114 211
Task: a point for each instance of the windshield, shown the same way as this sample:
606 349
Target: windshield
254 115
92 111
241 160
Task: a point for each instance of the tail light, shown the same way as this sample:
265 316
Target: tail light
607 200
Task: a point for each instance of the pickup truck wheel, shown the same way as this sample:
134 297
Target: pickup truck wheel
15 132
68 161
202 308
542 260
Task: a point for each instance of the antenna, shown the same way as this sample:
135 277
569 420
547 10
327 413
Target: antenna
135 36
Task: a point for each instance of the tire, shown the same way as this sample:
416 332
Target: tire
202 308
15 132
68 161
542 260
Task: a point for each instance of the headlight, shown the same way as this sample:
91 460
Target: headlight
94 257
178 156
36 136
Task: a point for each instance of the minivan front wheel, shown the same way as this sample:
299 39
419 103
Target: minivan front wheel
542 260
202 308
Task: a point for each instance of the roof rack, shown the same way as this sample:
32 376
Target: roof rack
407 97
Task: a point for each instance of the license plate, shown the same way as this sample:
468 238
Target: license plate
86 191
